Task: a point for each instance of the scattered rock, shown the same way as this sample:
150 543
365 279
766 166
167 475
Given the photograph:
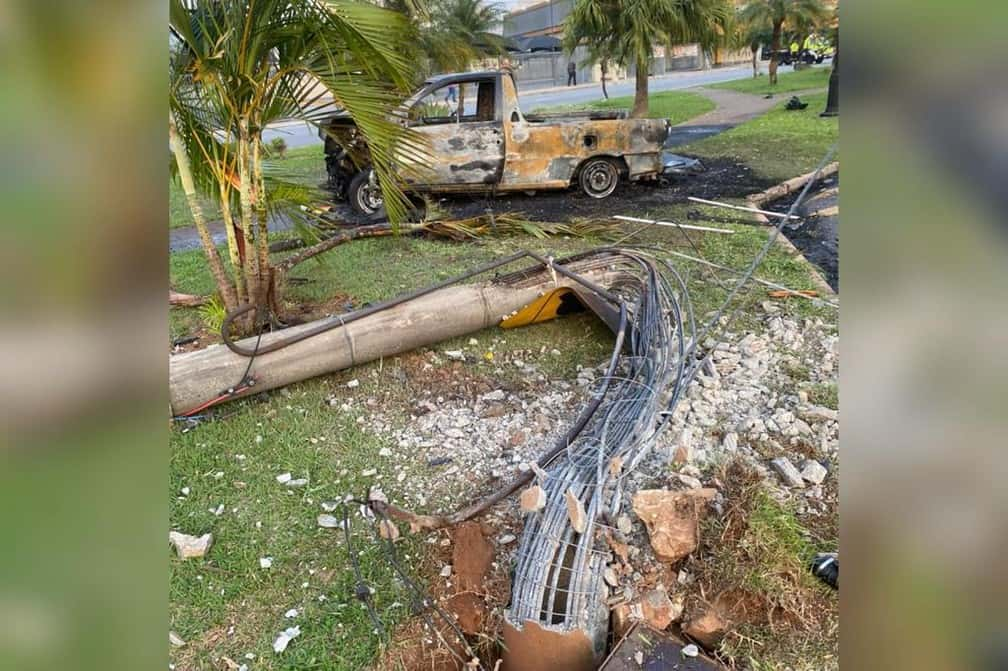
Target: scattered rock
293 612
329 522
283 478
506 538
533 499
265 562
813 471
671 519
190 547
639 658
690 650
455 354
689 481
610 576
576 512
707 628
624 524
175 639
495 395
657 609
353 383
185 491
285 637
787 471
300 482
446 571
388 530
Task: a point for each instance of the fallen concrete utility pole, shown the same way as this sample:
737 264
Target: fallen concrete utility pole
202 378
744 209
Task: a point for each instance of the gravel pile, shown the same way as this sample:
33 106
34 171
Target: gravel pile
753 402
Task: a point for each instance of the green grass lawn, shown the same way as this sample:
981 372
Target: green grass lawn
304 165
778 145
676 106
787 81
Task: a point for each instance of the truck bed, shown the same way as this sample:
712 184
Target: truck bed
594 115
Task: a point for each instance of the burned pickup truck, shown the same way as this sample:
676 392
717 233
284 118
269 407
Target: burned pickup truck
481 142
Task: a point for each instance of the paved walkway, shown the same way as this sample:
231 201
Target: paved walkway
733 108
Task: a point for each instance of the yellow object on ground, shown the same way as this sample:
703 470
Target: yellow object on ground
560 301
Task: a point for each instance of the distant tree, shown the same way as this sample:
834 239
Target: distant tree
628 30
451 35
795 15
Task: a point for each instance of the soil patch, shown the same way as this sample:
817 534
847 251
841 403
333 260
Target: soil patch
722 177
818 235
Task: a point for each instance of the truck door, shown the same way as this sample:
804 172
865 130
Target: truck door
462 123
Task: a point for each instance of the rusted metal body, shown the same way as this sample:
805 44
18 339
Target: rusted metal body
481 142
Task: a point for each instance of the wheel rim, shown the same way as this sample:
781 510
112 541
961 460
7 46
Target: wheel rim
369 198
599 179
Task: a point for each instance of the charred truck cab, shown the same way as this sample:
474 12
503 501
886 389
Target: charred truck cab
481 142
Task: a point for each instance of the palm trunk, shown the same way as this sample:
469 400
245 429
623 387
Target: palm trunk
233 249
605 93
224 287
640 105
262 234
755 63
251 267
775 46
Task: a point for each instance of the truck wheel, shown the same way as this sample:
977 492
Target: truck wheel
599 177
364 197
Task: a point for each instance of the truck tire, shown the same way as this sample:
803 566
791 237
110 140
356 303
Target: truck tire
364 197
598 177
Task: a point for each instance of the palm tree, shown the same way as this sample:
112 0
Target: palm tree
778 14
628 30
238 65
452 34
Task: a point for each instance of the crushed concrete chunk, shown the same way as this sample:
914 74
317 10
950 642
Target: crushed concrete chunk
190 547
285 637
533 499
813 471
576 512
329 522
671 519
787 471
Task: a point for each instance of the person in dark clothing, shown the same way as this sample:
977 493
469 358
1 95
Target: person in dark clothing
571 74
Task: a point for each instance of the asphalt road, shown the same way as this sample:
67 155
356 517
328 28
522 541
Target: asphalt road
297 134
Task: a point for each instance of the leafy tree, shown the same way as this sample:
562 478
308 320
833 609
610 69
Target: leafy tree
778 15
628 30
238 65
453 34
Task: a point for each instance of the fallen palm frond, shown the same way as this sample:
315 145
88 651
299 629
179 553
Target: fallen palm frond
507 224
472 228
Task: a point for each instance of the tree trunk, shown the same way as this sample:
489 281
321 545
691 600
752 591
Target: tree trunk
775 46
602 66
640 106
262 217
234 250
224 287
755 62
251 270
